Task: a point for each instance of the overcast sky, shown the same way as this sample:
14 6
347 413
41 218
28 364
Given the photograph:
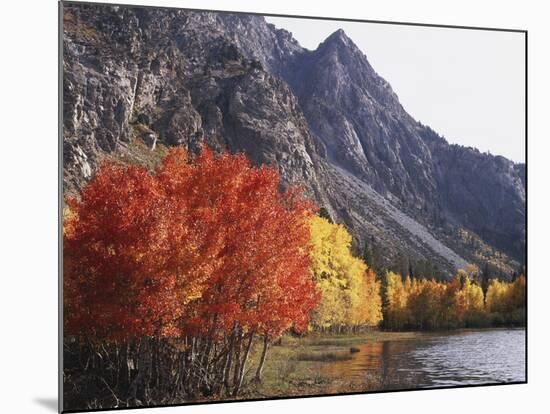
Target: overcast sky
468 85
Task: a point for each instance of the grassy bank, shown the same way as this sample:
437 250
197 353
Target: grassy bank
302 366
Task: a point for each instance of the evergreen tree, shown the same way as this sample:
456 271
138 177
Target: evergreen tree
485 279
371 256
411 270
323 212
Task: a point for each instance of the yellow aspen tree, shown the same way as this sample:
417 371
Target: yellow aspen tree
346 295
497 293
396 301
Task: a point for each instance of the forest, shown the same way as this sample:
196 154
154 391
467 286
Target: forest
178 281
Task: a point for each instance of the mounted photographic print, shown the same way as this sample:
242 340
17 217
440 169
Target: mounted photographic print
266 206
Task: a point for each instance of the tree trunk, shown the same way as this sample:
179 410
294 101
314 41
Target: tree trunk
258 376
239 383
227 372
128 363
236 370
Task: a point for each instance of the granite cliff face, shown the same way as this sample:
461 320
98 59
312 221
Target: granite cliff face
138 80
163 77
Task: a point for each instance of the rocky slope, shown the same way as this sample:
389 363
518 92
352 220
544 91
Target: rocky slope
137 80
162 77
362 127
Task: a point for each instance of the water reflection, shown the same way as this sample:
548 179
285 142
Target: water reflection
434 360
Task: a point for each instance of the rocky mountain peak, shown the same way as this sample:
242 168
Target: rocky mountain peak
338 36
343 52
137 80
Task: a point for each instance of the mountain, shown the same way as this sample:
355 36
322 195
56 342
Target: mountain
138 80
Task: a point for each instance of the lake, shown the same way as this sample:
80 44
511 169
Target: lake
455 358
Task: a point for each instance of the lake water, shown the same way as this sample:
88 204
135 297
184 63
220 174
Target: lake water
437 360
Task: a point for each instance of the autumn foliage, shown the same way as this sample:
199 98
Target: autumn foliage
350 293
428 304
210 238
118 282
206 249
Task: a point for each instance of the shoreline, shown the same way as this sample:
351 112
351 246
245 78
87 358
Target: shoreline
290 370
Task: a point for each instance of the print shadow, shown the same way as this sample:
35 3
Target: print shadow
49 403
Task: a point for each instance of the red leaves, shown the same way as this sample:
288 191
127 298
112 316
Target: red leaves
116 280
203 244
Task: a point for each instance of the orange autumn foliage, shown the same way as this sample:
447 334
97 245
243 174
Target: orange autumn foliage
116 279
202 245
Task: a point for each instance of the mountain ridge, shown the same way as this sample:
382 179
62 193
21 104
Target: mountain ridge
135 78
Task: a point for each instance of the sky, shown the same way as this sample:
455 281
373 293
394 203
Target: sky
467 85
